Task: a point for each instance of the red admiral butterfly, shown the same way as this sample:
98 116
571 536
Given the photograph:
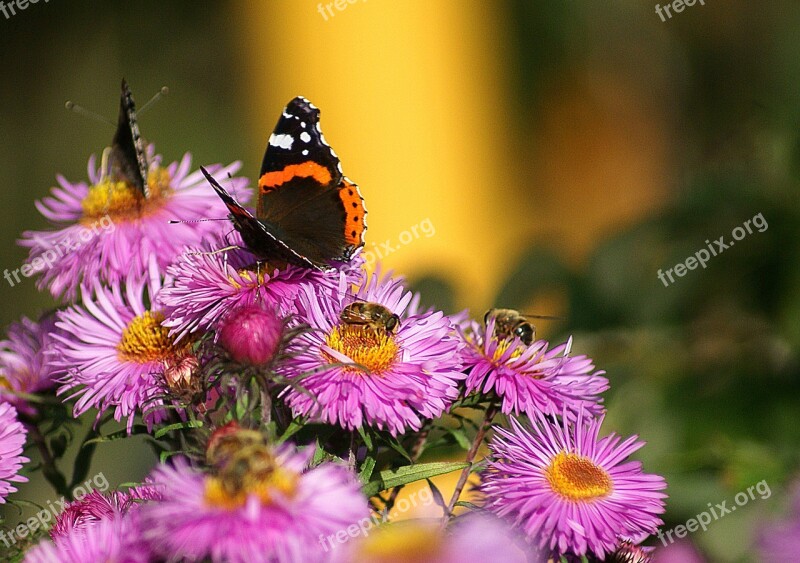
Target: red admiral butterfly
309 214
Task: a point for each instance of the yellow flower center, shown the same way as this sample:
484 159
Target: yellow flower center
145 340
402 543
503 345
4 384
251 471
122 201
576 477
253 276
375 350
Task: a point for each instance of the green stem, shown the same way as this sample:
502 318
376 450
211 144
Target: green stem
491 411
49 469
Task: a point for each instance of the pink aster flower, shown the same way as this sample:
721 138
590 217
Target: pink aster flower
25 360
104 541
113 350
95 506
205 284
531 379
355 373
568 491
275 515
83 513
105 230
12 440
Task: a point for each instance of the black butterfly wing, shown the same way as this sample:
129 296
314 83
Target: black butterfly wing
128 160
259 237
297 138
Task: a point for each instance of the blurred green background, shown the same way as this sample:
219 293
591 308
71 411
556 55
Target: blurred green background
565 152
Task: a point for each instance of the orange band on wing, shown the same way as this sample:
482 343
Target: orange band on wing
271 180
356 213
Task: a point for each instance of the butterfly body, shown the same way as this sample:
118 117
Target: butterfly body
308 213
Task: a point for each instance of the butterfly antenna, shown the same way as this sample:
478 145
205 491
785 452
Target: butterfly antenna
72 106
157 96
173 221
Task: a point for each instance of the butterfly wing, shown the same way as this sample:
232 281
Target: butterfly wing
318 221
297 139
303 196
257 236
128 159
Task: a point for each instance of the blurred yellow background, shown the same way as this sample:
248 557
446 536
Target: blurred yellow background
414 100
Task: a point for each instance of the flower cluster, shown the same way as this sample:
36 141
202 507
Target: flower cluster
291 403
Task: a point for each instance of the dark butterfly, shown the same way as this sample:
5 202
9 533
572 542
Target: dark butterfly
309 214
127 160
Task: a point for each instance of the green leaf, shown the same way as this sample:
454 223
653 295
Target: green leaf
437 495
165 455
17 503
398 447
119 435
366 469
366 437
319 454
58 445
410 473
129 485
461 437
161 432
80 467
294 428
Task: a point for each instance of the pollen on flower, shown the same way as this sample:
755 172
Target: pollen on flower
4 384
121 200
376 350
252 278
145 340
502 345
575 477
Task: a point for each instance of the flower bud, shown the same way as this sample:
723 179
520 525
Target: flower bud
251 335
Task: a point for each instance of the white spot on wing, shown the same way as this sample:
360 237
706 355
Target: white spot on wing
305 137
305 152
281 141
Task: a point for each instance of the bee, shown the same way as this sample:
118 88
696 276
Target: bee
247 468
240 458
509 323
224 447
370 315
